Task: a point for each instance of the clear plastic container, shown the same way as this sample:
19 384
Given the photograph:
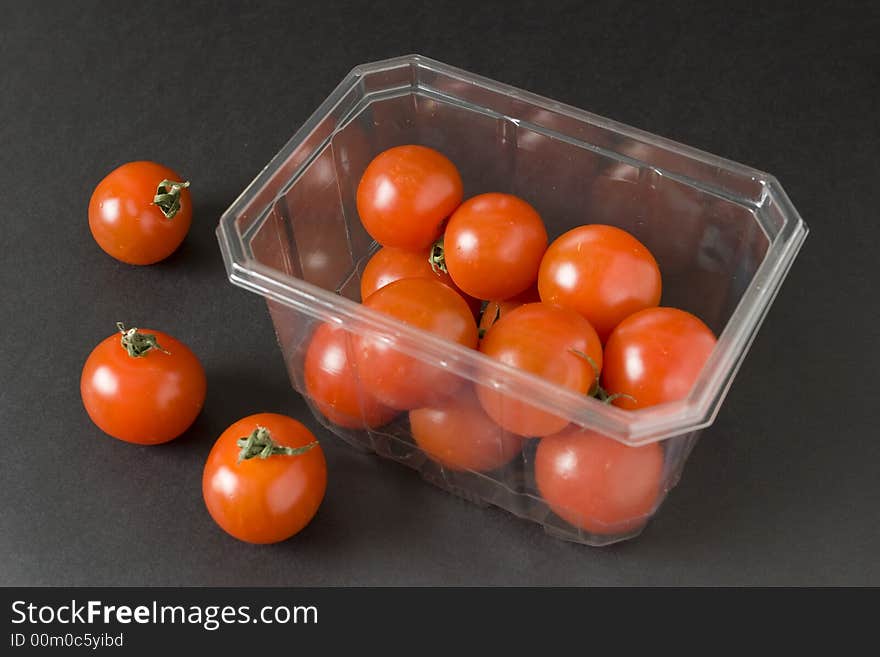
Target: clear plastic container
724 235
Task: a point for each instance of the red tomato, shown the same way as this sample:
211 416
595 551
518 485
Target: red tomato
264 478
140 212
460 436
405 195
493 246
389 264
602 272
495 310
143 386
396 379
332 382
598 484
655 356
552 342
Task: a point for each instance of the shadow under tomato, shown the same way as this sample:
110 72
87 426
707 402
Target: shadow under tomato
199 250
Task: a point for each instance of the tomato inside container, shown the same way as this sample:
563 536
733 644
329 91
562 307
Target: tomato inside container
724 236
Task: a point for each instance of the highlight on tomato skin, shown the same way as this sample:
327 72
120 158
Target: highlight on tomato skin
147 394
460 436
405 195
597 484
655 356
271 492
333 385
493 244
602 272
552 342
140 212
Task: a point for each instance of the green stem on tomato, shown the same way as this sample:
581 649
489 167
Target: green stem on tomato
138 344
167 197
261 445
497 315
603 396
437 258
482 332
596 390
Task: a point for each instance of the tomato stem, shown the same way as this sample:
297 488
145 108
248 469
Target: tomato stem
260 444
436 257
138 344
603 396
482 332
167 197
497 315
595 388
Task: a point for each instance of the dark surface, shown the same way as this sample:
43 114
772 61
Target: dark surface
783 489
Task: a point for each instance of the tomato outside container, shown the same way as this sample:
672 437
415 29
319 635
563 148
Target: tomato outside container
724 235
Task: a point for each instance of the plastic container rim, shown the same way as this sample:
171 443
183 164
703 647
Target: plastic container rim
694 412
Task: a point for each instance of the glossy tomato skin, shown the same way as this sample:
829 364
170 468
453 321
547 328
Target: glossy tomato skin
389 264
396 379
264 500
333 385
405 195
493 246
598 484
460 436
655 356
147 400
547 341
124 221
602 272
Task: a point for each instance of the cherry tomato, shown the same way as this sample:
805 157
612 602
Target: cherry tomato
140 212
142 386
460 436
389 264
602 272
655 356
264 478
598 484
332 382
405 195
396 379
495 310
552 342
493 246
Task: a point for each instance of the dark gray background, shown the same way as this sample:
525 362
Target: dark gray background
783 489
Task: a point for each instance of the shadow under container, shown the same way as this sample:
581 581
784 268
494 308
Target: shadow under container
724 235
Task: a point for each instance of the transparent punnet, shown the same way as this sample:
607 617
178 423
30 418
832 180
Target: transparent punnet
723 234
